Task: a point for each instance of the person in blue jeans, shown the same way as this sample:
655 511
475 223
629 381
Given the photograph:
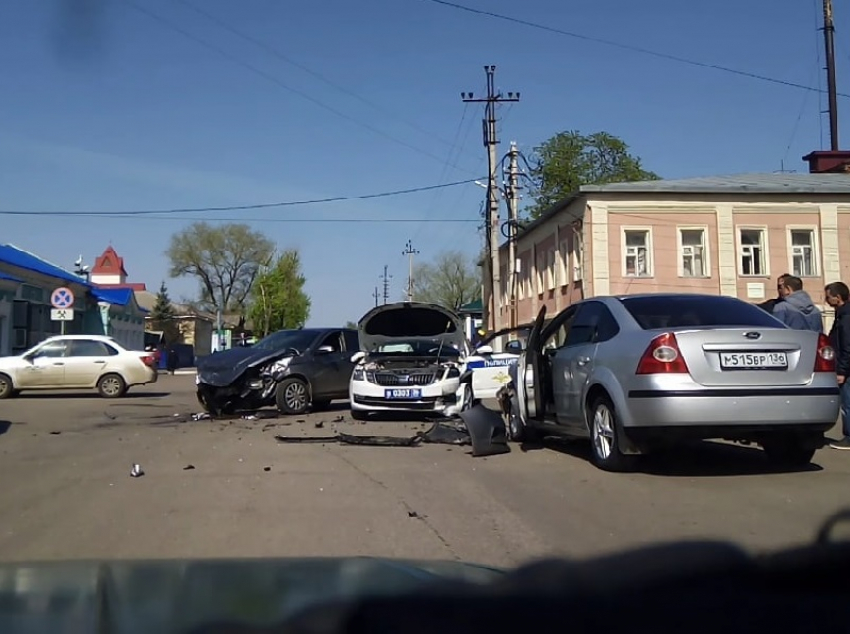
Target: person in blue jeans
837 296
797 310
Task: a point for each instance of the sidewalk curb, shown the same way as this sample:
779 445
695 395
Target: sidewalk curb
182 371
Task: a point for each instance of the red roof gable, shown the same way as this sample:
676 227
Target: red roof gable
109 263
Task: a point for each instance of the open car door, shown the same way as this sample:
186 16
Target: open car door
529 373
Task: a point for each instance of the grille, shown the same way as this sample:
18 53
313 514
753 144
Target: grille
402 378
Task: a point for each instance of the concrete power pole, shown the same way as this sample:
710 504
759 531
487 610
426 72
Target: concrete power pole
513 213
493 271
386 281
409 251
829 43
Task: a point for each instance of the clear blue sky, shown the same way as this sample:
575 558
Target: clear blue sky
116 110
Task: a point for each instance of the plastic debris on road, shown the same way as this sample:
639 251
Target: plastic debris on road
136 471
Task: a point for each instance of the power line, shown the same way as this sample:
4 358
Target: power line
275 220
277 53
290 203
277 82
630 47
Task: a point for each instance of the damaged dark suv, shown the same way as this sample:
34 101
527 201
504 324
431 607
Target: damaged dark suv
296 370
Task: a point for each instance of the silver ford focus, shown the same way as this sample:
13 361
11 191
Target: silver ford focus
635 373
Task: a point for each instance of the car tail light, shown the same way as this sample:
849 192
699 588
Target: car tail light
825 358
663 356
149 361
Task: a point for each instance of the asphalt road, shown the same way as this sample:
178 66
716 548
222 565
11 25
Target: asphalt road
67 492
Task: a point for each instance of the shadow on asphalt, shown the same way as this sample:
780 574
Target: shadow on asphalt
704 459
90 395
4 426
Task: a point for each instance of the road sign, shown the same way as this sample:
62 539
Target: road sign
62 314
62 298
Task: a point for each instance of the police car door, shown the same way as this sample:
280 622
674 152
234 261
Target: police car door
490 371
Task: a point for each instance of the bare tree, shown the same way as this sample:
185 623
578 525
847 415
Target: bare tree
451 280
225 259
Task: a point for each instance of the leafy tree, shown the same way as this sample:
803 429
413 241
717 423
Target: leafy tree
278 298
351 324
225 259
451 280
163 316
570 159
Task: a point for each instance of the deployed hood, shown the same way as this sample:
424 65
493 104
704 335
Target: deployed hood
801 301
410 320
223 368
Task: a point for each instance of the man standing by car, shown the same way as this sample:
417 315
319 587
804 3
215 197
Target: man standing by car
837 296
796 310
770 304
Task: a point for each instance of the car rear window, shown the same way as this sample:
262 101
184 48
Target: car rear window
679 311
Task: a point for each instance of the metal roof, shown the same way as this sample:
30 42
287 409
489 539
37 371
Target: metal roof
734 184
8 278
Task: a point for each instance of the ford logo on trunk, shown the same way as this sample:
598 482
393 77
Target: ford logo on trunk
752 335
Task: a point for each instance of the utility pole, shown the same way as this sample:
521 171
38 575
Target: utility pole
829 43
492 275
386 278
409 251
513 213
376 295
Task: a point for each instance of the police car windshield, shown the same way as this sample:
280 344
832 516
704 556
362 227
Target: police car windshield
416 348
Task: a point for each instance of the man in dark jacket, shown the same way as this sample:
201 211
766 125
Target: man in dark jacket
796 310
837 296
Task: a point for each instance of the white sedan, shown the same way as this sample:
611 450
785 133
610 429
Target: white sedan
77 362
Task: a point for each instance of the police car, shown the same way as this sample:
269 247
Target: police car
487 371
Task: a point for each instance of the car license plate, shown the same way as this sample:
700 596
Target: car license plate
753 360
402 393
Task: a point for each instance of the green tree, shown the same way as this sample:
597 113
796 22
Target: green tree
225 259
351 324
278 298
451 280
570 159
163 316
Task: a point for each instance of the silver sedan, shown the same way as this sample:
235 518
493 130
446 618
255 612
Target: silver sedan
638 372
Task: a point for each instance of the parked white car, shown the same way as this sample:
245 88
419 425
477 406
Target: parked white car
412 358
77 362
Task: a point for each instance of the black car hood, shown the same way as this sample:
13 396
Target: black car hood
224 368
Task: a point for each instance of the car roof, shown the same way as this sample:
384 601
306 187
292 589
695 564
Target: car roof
94 337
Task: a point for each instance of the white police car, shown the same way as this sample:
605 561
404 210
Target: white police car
487 371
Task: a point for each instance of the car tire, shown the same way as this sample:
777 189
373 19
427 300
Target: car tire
111 386
7 388
468 398
357 414
788 452
604 427
292 396
517 430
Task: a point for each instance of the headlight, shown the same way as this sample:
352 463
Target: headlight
453 373
359 374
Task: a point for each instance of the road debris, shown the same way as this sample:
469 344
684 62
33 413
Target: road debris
188 467
136 471
55 433
442 432
200 416
267 468
320 424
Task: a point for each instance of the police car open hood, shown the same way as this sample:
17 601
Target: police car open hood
410 320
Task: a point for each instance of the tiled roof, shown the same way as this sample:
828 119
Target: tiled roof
735 184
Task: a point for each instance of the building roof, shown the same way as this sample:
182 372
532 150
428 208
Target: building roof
109 263
734 184
476 306
15 256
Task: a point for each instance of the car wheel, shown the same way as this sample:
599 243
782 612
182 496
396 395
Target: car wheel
517 430
7 390
357 414
604 441
292 396
788 452
467 398
111 386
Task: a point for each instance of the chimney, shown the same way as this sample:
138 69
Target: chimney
828 161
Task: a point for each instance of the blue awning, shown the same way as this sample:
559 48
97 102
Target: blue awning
14 256
8 278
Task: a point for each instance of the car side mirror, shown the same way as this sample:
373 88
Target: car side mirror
324 349
484 350
358 356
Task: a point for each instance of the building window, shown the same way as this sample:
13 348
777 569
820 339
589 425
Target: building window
578 256
550 269
803 252
540 269
564 263
692 252
752 252
636 253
